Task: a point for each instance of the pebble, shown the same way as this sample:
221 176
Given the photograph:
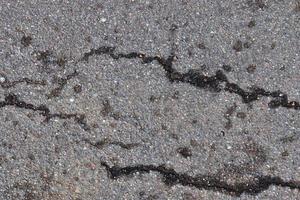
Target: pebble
2 79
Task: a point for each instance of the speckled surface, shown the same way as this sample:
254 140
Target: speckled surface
122 128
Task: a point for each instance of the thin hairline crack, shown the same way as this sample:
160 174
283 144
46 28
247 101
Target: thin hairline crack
216 83
207 182
107 142
62 82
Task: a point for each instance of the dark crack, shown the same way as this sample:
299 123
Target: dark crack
13 100
107 142
26 40
171 177
215 83
8 84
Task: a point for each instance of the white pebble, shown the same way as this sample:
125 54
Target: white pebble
2 79
103 19
71 100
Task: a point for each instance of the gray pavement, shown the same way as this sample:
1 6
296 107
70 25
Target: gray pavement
149 99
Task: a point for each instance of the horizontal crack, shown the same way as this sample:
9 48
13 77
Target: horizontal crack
100 144
6 83
171 177
13 100
216 83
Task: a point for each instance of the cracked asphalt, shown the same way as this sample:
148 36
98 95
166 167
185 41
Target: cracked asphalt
149 99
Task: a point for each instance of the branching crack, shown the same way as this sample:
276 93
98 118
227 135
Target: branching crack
171 177
61 84
13 100
215 83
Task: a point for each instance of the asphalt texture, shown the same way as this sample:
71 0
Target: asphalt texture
149 99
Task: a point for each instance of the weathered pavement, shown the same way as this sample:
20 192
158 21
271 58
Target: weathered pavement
150 99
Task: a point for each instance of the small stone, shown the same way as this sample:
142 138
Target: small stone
273 45
185 151
26 41
173 27
251 68
176 95
77 88
260 4
2 79
153 98
103 19
201 46
61 61
247 45
251 24
285 153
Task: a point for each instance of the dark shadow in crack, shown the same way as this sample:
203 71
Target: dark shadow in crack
13 100
215 83
207 182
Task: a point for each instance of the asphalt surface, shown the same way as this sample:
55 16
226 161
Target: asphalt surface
149 99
